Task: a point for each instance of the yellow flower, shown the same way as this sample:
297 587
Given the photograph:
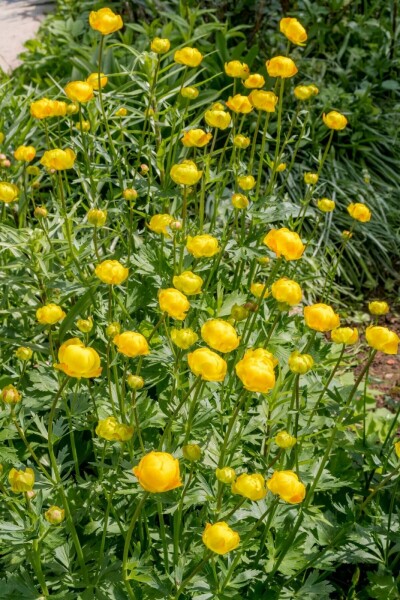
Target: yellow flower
287 291
79 91
25 153
135 382
130 194
311 178
131 343
335 120
305 92
23 353
72 108
190 57
281 167
93 80
85 325
113 329
246 182
239 104
196 138
78 361
326 205
160 45
43 108
293 30
21 481
225 475
183 338
190 92
159 223
220 335
54 515
241 141
258 288
250 486
217 118
321 317
113 431
58 159
158 472
49 314
300 363
10 395
284 243
187 282
287 485
105 21
256 372
261 354
263 100
121 112
359 212
381 338
347 234
191 452
281 66
207 364
185 173
9 192
97 217
111 272
235 68
378 307
397 449
204 245
240 201
220 538
174 303
254 81
284 440
344 335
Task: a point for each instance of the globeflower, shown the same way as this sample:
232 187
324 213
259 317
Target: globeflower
93 80
54 515
225 475
250 486
191 452
378 307
325 205
185 173
344 335
287 291
191 57
207 364
381 338
58 159
254 81
187 282
284 243
284 440
159 224
183 338
174 303
9 192
263 100
258 289
218 118
158 472
79 91
335 120
111 430
321 317
196 138
132 344
44 108
189 92
111 272
311 178
220 538
359 212
256 374
50 314
239 201
287 486
293 30
97 217
10 394
202 246
160 45
220 335
105 21
23 353
305 92
239 104
21 481
246 182
300 363
76 360
85 325
241 141
25 153
235 68
281 66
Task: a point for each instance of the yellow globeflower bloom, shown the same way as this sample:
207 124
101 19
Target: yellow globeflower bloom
135 382
174 303
241 141
246 182
225 475
220 335
25 153
321 317
105 21
335 120
254 81
235 68
397 449
78 361
93 80
130 194
281 167
54 515
191 57
239 104
261 354
311 178
359 212
85 325
79 91
121 112
58 159
250 486
23 353
9 192
97 217
10 394
113 431
185 173
202 246
281 66
218 118
300 363
284 243
257 288
131 343
262 100
187 282
287 485
111 272
378 307
21 481
183 338
326 205
220 538
191 452
256 374
160 45
159 223
381 338
207 364
158 472
196 138
240 201
305 92
344 335
287 291
44 108
49 314
293 30
189 92
284 440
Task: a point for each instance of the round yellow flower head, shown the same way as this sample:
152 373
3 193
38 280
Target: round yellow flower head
121 112
261 354
105 21
335 120
21 481
284 440
58 159
132 344
207 364
359 212
321 317
76 360
287 291
326 205
378 307
192 452
135 382
187 282
174 303
160 45
239 201
258 289
311 178
397 449
246 182
113 329
97 217
9 192
288 487
111 272
220 335
49 314
196 138
293 30
300 363
281 167
262 100
241 141
23 353
83 126
239 104
130 194
113 431
235 68
220 538
305 92
72 108
93 80
254 81
25 153
10 395
79 91
250 486
185 173
44 108
284 243
202 246
344 335
255 373
85 325
381 338
159 224
347 235
225 475
191 57
54 515
218 118
158 472
183 338
281 66
189 92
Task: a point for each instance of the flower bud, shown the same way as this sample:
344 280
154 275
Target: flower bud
225 475
311 178
189 92
55 515
144 169
191 452
378 307
284 440
96 217
135 382
325 205
10 395
187 282
40 212
6 163
241 141
113 329
85 325
258 289
175 225
239 201
23 353
183 338
347 235
72 109
239 313
130 194
246 182
84 126
397 449
160 45
121 112
21 481
300 363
